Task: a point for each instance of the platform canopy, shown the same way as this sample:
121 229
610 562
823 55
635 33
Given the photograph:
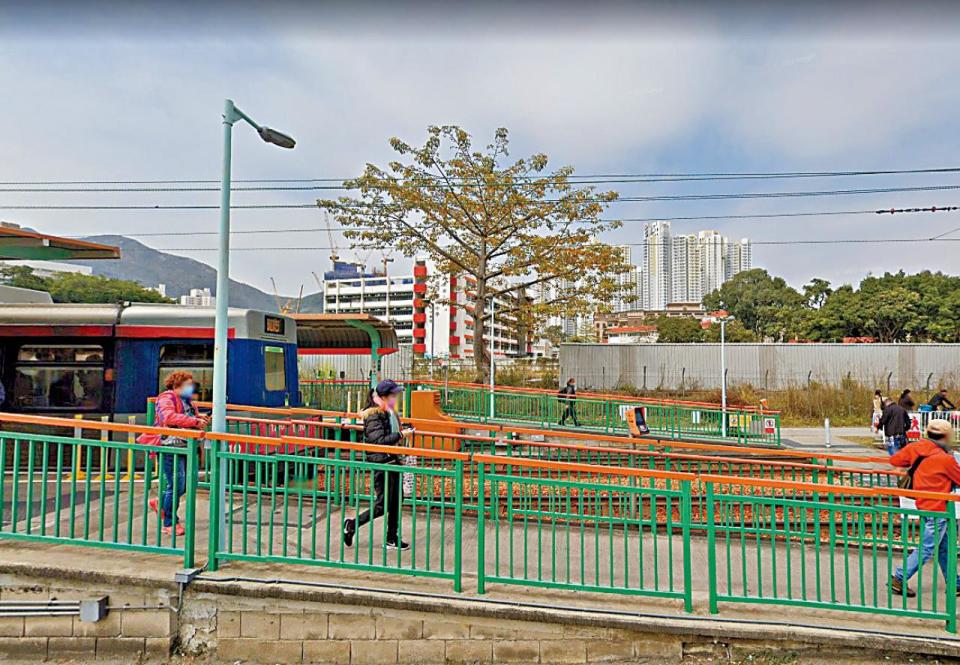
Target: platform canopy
346 334
21 245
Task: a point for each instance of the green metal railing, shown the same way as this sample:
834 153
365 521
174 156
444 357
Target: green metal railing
93 492
825 554
579 531
608 414
290 508
629 522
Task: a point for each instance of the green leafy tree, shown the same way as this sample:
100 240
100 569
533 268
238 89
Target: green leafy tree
512 226
23 277
753 297
735 332
816 292
678 330
80 288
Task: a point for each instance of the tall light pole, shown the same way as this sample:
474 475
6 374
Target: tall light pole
387 280
231 114
723 373
493 335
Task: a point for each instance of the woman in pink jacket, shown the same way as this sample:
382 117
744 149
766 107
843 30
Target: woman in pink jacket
175 409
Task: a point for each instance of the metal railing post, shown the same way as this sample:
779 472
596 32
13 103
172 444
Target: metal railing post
189 541
711 550
458 529
481 528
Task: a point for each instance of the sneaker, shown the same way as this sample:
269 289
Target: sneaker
348 531
170 530
398 545
899 589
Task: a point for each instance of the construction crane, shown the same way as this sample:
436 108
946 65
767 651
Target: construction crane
285 307
334 257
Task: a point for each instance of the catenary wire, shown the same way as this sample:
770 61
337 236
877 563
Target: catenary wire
600 177
622 199
632 244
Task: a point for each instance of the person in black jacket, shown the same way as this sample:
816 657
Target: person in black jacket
568 394
940 402
895 422
381 427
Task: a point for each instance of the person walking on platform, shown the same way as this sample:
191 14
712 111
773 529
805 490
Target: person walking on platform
568 395
381 427
174 409
932 468
895 422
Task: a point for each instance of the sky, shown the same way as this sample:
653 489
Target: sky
134 91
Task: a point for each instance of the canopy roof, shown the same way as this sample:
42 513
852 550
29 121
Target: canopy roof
344 334
19 244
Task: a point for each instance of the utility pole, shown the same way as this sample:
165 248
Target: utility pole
493 336
387 278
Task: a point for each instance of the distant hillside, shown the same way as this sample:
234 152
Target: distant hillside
150 267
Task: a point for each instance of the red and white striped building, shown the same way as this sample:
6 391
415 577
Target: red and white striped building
433 329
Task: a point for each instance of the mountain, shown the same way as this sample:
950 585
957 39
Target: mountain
151 267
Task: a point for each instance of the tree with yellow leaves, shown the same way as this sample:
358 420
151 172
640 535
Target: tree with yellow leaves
511 225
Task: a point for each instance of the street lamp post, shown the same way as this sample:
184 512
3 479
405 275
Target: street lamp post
723 374
231 114
493 336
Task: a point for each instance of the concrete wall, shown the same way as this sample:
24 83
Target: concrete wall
768 366
234 621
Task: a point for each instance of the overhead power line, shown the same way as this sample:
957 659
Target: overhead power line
342 229
622 199
597 177
843 241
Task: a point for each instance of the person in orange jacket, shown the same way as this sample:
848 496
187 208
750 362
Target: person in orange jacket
934 469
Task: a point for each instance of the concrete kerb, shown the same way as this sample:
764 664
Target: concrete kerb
710 629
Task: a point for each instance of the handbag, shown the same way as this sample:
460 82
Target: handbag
905 482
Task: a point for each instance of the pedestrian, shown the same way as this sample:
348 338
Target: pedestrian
895 423
568 396
174 409
940 402
933 468
381 427
905 399
877 410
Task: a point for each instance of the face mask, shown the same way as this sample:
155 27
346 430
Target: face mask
186 391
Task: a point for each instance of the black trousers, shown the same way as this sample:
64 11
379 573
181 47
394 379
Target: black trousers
570 412
388 489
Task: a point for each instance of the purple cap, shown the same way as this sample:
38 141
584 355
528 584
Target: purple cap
388 387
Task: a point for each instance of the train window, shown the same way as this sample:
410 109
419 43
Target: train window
275 377
59 376
194 358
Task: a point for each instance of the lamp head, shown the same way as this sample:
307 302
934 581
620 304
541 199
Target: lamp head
276 138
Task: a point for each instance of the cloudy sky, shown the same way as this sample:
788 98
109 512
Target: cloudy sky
102 91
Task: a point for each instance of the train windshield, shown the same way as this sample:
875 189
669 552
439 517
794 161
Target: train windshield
59 376
196 358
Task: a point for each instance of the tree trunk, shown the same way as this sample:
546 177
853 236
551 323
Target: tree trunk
481 358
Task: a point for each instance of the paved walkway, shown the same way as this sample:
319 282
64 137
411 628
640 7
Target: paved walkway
306 545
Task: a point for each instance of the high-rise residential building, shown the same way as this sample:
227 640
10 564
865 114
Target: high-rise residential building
657 263
713 263
685 268
685 271
629 295
739 257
